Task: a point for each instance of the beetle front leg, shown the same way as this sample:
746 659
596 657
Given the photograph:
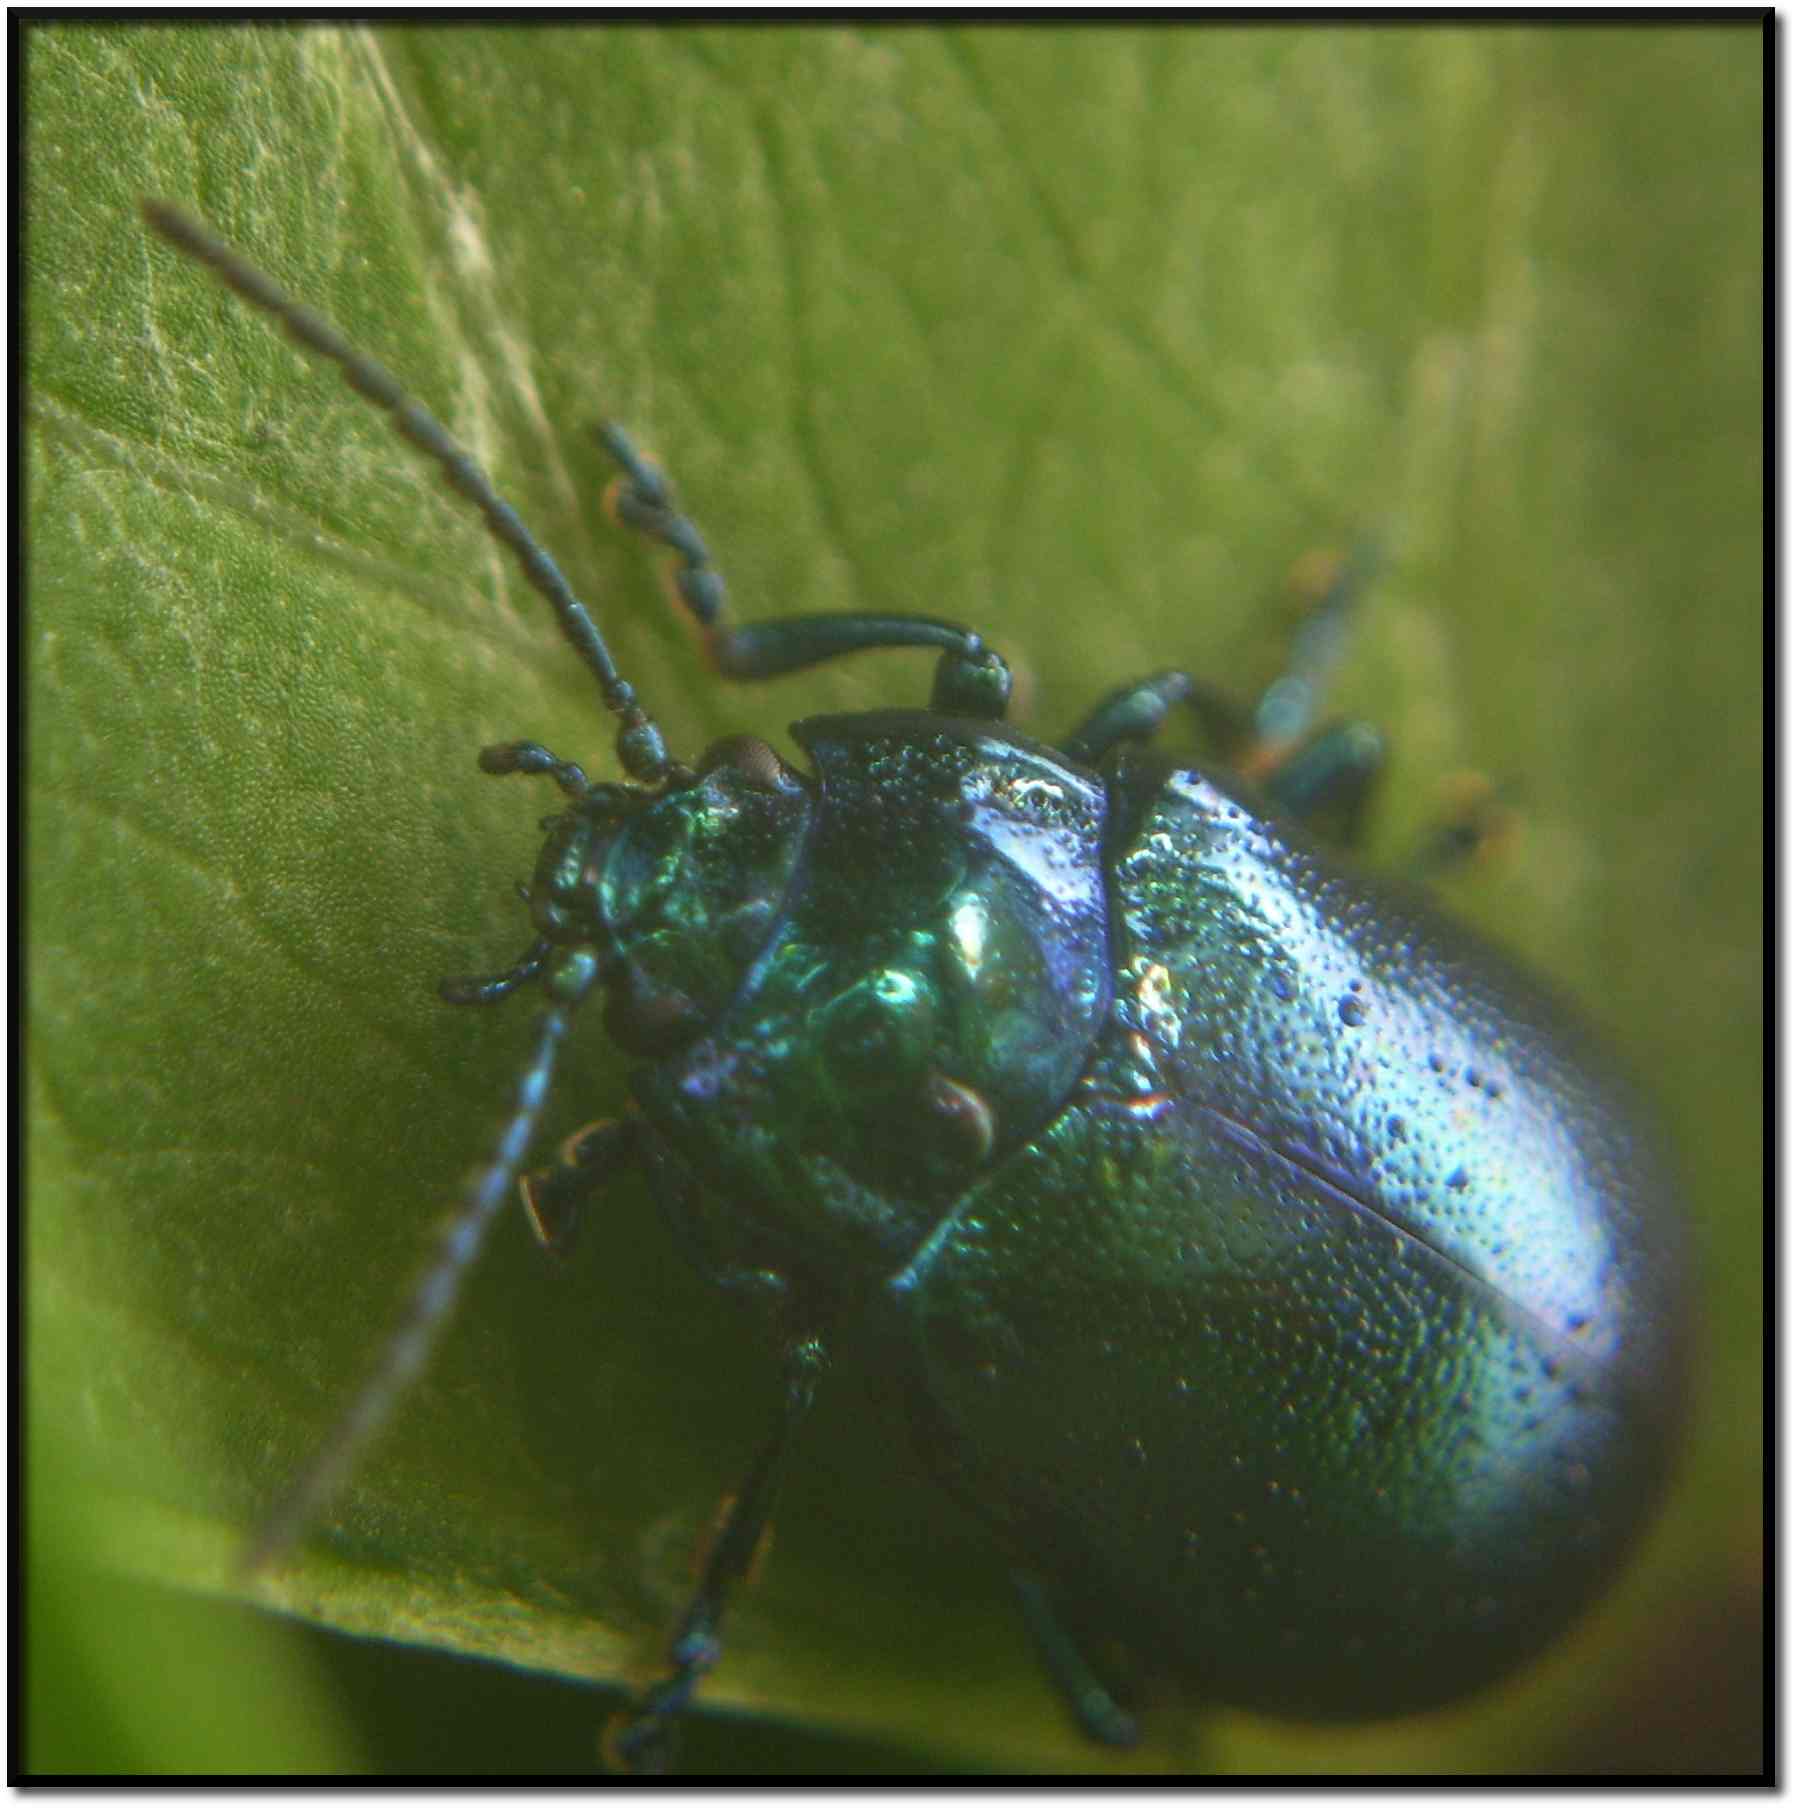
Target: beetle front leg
533 757
489 989
587 1161
639 1739
971 679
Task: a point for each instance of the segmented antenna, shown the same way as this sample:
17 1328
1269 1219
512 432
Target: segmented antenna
643 757
409 1345
641 751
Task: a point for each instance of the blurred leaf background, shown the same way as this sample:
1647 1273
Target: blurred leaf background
1079 336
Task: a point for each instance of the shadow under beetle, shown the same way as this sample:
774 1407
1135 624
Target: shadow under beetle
1277 1270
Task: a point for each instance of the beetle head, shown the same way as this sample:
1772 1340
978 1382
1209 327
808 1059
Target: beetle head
675 890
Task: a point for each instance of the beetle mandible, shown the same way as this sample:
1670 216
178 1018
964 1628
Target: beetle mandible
1281 1273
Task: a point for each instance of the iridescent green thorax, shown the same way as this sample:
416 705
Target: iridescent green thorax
927 1003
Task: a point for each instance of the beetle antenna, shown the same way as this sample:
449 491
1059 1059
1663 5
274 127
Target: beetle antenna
409 1344
640 746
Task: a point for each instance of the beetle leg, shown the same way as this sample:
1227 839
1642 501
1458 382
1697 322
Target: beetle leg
533 757
971 679
1327 775
554 1195
486 989
1333 770
1327 780
1258 741
1137 711
1478 821
1286 709
638 1740
1090 1702
1308 773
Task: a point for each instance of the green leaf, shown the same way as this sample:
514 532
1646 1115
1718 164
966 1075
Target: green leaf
1078 336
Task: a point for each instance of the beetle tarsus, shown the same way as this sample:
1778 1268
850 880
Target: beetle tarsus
533 757
489 989
1089 1701
641 1739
